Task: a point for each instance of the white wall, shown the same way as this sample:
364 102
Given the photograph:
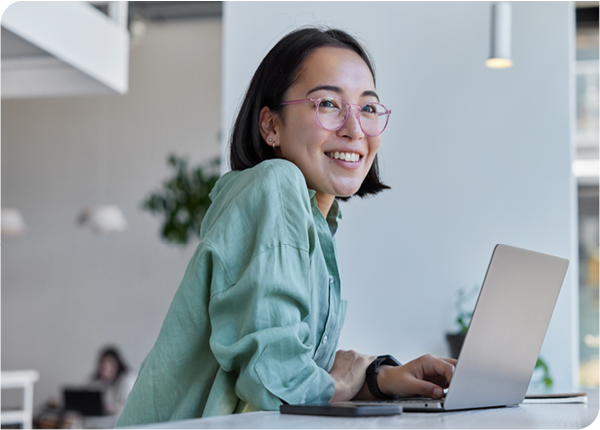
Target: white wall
475 157
66 292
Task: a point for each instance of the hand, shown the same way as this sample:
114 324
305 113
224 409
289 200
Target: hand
427 376
349 372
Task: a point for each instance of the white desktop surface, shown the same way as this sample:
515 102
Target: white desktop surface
562 415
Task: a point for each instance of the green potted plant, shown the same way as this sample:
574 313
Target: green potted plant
545 377
456 340
183 199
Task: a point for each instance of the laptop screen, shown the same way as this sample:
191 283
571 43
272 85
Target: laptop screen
88 402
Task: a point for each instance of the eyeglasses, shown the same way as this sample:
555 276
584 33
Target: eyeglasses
333 114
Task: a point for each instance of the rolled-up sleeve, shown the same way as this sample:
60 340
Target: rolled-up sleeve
259 333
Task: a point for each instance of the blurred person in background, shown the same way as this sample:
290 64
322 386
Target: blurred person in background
113 379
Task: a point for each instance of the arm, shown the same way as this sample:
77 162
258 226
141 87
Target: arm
258 333
348 372
427 375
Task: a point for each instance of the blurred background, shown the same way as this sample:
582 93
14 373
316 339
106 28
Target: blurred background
97 95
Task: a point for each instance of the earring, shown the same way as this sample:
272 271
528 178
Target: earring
270 140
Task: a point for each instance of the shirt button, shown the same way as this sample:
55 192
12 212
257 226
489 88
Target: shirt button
325 339
331 279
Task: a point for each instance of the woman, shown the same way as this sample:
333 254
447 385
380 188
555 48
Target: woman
113 379
258 313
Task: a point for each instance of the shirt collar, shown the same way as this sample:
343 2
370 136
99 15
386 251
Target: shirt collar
333 215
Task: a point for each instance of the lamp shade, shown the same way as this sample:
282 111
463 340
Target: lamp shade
500 37
12 222
103 219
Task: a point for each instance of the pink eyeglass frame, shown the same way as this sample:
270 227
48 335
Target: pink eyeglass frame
317 101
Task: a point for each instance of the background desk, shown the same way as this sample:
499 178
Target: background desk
564 415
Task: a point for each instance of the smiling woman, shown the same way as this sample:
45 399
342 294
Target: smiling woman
256 319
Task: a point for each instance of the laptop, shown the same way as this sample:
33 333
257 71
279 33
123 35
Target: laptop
505 336
88 402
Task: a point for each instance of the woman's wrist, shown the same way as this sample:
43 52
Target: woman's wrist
383 378
342 391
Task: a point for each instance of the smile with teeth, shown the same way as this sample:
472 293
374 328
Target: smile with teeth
346 156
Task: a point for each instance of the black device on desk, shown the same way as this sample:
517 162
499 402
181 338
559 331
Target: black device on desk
88 402
341 409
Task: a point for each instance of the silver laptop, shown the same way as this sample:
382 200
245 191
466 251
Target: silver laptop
505 336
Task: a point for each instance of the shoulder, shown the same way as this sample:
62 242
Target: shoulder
284 179
273 185
286 170
256 210
271 175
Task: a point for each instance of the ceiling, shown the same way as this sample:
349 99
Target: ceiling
169 10
14 46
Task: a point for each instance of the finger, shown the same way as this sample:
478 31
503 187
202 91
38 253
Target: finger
438 380
452 361
440 367
424 388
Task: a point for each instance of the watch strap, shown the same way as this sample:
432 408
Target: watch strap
373 371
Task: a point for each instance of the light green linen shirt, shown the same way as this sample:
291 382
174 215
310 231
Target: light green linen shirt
258 313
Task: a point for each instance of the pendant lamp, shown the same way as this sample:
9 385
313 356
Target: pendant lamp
500 38
99 218
103 219
12 222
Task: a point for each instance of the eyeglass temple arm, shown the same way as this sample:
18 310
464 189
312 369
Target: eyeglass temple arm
295 102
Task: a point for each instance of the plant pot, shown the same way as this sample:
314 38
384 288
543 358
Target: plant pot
455 341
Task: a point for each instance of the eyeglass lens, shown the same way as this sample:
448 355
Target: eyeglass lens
333 111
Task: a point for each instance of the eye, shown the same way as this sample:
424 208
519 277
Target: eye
369 108
329 103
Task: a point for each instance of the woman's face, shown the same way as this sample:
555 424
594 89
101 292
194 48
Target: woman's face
109 367
327 72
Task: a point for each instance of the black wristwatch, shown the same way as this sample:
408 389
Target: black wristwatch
372 372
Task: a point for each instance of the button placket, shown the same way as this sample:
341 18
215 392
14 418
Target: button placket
323 348
327 326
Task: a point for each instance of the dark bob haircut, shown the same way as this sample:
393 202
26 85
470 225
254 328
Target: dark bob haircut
114 353
277 72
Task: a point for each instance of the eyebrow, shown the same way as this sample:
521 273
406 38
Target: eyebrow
338 90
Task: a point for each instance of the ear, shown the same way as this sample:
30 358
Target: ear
269 125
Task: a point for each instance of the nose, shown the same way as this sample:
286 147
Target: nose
351 129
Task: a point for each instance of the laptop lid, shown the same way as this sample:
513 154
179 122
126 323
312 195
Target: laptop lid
509 323
88 402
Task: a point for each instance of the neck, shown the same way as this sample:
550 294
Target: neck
324 202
